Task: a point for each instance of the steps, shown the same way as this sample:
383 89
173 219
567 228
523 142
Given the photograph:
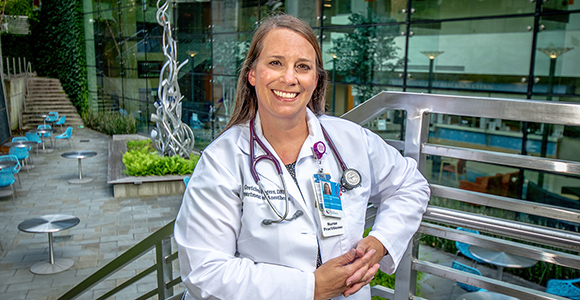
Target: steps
46 95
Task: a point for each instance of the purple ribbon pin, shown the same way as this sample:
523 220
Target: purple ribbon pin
319 149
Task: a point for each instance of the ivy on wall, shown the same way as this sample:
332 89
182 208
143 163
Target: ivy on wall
14 45
59 48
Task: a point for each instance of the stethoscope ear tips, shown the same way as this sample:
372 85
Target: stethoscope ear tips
297 214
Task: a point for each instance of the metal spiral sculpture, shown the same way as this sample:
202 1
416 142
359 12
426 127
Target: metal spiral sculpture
171 136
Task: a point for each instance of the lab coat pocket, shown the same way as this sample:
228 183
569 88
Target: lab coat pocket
354 215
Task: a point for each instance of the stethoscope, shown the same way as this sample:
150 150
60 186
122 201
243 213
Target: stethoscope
351 178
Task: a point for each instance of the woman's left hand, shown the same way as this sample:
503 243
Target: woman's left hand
363 247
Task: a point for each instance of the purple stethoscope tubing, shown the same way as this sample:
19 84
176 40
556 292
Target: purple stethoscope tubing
253 161
268 155
333 148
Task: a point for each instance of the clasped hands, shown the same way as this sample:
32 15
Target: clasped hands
348 273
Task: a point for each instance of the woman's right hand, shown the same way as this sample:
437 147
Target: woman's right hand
330 279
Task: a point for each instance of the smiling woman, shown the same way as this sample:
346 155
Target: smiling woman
249 228
246 97
284 77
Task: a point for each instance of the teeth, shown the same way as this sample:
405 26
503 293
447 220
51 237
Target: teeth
285 95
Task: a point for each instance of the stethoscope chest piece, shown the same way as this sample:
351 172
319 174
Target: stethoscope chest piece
350 179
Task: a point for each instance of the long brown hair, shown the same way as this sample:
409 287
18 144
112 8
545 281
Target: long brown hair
246 99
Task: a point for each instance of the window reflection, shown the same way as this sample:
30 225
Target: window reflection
368 47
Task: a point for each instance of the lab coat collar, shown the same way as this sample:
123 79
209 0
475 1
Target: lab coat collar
267 171
314 130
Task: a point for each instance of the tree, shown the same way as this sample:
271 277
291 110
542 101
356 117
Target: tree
15 43
367 49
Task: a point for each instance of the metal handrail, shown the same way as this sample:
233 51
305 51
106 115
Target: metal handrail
27 70
517 237
160 240
418 108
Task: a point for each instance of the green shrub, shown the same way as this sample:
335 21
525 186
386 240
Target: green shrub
110 122
139 144
141 159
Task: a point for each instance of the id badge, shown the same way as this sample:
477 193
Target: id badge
317 189
331 203
329 213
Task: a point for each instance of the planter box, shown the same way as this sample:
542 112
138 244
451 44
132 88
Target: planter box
137 186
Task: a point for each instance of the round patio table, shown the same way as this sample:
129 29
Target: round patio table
7 164
50 224
43 116
485 296
80 155
22 144
501 259
42 131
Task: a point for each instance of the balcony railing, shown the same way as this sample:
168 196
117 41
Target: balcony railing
501 234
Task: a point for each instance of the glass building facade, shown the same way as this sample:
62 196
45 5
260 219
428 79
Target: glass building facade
522 49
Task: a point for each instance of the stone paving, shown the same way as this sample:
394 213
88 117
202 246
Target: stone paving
109 226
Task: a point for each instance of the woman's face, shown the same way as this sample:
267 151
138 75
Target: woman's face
284 75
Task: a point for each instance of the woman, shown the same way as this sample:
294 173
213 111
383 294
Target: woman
240 239
326 190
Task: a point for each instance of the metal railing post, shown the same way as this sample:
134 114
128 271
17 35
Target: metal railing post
164 268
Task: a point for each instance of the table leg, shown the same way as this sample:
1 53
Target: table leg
81 179
44 149
80 170
52 266
499 272
50 249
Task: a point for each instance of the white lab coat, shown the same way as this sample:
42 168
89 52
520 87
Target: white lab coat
226 253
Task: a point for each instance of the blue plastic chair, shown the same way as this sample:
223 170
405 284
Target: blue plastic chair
7 179
469 288
564 288
65 135
15 169
20 152
61 121
48 134
52 117
464 247
31 136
